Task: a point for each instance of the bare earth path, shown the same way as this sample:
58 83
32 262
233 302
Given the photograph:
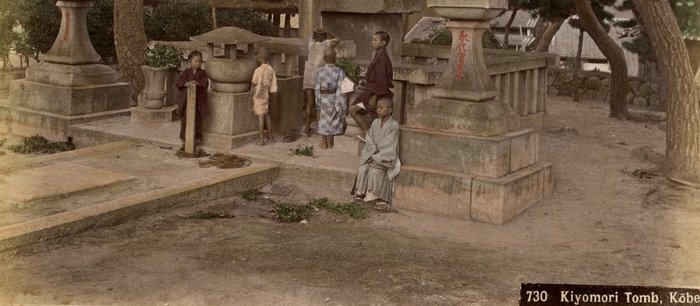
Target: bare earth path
603 225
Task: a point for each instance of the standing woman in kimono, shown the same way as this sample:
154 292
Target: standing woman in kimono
330 101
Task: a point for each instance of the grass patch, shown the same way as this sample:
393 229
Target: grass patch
39 144
346 209
303 151
251 194
288 212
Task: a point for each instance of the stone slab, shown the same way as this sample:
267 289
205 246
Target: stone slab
487 156
27 122
286 106
230 114
372 7
117 211
154 116
55 181
498 200
433 192
64 100
533 121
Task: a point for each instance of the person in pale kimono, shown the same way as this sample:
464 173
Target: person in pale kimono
379 161
321 40
264 83
330 101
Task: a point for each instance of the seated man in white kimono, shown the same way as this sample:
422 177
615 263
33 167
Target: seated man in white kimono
379 161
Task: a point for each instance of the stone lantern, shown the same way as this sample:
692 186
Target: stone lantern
463 151
232 72
230 122
70 85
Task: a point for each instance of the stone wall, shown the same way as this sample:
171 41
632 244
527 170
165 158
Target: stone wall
595 85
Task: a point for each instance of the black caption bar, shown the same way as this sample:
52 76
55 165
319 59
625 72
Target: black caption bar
563 294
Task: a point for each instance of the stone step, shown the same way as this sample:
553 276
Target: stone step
468 196
116 211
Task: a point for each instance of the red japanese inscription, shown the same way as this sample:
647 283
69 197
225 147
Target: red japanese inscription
462 41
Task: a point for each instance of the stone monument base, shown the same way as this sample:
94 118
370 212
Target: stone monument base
27 122
230 120
154 116
228 142
70 101
491 200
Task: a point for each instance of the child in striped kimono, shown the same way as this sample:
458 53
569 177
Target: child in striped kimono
330 101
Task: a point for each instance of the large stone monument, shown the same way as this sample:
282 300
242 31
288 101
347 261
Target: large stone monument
359 20
69 86
463 151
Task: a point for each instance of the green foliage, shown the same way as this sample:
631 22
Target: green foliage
246 19
39 144
251 194
177 20
346 209
163 56
688 16
303 151
41 20
288 212
101 28
352 71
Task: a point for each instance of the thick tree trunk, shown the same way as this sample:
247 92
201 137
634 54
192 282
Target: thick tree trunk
544 41
682 97
577 66
130 42
619 84
506 44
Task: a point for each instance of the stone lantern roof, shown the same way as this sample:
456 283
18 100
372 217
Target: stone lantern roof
229 36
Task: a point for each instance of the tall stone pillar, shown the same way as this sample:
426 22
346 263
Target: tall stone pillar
309 17
69 86
463 152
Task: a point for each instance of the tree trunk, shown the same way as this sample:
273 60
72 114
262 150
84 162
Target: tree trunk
506 44
130 42
682 97
577 66
544 41
213 14
619 84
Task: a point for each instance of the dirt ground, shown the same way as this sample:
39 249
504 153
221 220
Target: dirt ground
603 225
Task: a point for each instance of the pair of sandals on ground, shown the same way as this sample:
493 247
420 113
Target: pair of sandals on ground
378 204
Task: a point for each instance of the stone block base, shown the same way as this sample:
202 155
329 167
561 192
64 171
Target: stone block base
491 200
70 101
286 106
488 156
27 122
347 144
154 116
230 114
228 142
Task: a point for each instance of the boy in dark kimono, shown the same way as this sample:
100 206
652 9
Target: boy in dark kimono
199 77
379 161
379 79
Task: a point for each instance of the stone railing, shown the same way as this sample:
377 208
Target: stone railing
289 54
521 77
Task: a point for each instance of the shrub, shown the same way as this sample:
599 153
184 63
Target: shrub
163 56
177 20
100 23
246 19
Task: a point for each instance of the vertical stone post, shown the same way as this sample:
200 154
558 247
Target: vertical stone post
190 119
